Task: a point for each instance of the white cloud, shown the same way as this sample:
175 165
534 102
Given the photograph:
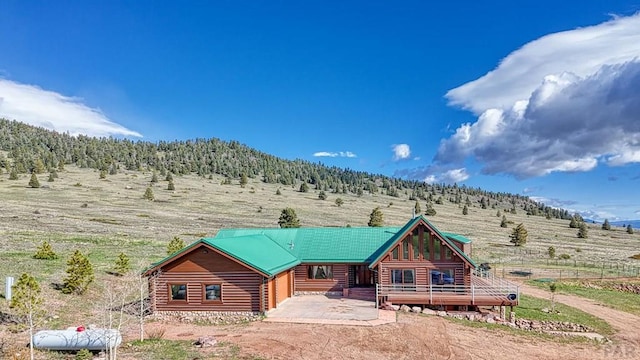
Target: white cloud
434 174
32 105
448 177
401 151
347 154
581 51
565 102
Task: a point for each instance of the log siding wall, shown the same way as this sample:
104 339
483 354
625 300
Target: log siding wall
240 284
339 281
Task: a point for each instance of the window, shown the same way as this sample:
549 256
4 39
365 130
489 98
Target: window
213 292
405 249
178 292
437 254
425 246
402 276
442 277
416 245
320 272
394 253
448 254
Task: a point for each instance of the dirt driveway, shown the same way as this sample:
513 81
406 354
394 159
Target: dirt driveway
419 337
627 325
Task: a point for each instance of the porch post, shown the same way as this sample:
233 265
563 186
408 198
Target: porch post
431 294
473 295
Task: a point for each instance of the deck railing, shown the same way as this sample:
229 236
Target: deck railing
479 287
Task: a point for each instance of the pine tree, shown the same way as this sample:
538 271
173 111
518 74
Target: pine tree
519 235
51 178
103 174
13 174
169 177
606 225
176 244
430 211
465 210
504 222
27 301
33 182
416 208
583 232
376 218
38 167
148 194
629 229
288 219
552 252
122 264
45 252
278 192
79 274
243 180
304 187
322 195
339 202
498 214
171 186
154 177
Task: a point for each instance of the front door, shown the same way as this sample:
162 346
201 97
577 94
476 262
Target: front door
363 276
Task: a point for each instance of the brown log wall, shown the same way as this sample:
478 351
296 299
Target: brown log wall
240 284
339 281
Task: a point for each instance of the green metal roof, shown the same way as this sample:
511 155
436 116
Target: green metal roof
322 245
257 251
273 250
456 237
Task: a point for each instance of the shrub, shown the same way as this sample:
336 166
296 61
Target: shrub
339 202
288 219
564 257
376 218
45 252
552 252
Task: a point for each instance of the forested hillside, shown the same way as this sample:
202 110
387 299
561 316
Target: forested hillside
31 149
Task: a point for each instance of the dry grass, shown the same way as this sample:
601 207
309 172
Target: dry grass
104 217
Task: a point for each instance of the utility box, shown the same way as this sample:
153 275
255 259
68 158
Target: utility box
8 288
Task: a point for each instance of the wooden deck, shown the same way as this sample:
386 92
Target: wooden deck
481 292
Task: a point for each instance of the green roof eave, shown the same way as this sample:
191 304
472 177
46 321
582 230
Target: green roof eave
379 254
258 252
382 250
457 237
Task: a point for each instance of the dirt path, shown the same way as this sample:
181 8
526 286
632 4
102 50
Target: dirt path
627 325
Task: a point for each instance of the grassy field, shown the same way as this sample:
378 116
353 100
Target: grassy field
102 217
600 292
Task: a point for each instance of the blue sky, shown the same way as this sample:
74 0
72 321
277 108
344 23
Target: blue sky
539 99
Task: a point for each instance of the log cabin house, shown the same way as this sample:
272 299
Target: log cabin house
254 270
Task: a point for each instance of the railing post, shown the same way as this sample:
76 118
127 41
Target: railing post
473 295
377 298
431 294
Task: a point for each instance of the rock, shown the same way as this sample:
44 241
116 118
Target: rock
428 311
490 321
416 309
207 341
441 313
545 310
395 307
405 308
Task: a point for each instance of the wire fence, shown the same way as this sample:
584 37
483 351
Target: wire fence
565 270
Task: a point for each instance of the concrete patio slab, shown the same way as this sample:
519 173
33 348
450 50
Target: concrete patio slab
322 309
